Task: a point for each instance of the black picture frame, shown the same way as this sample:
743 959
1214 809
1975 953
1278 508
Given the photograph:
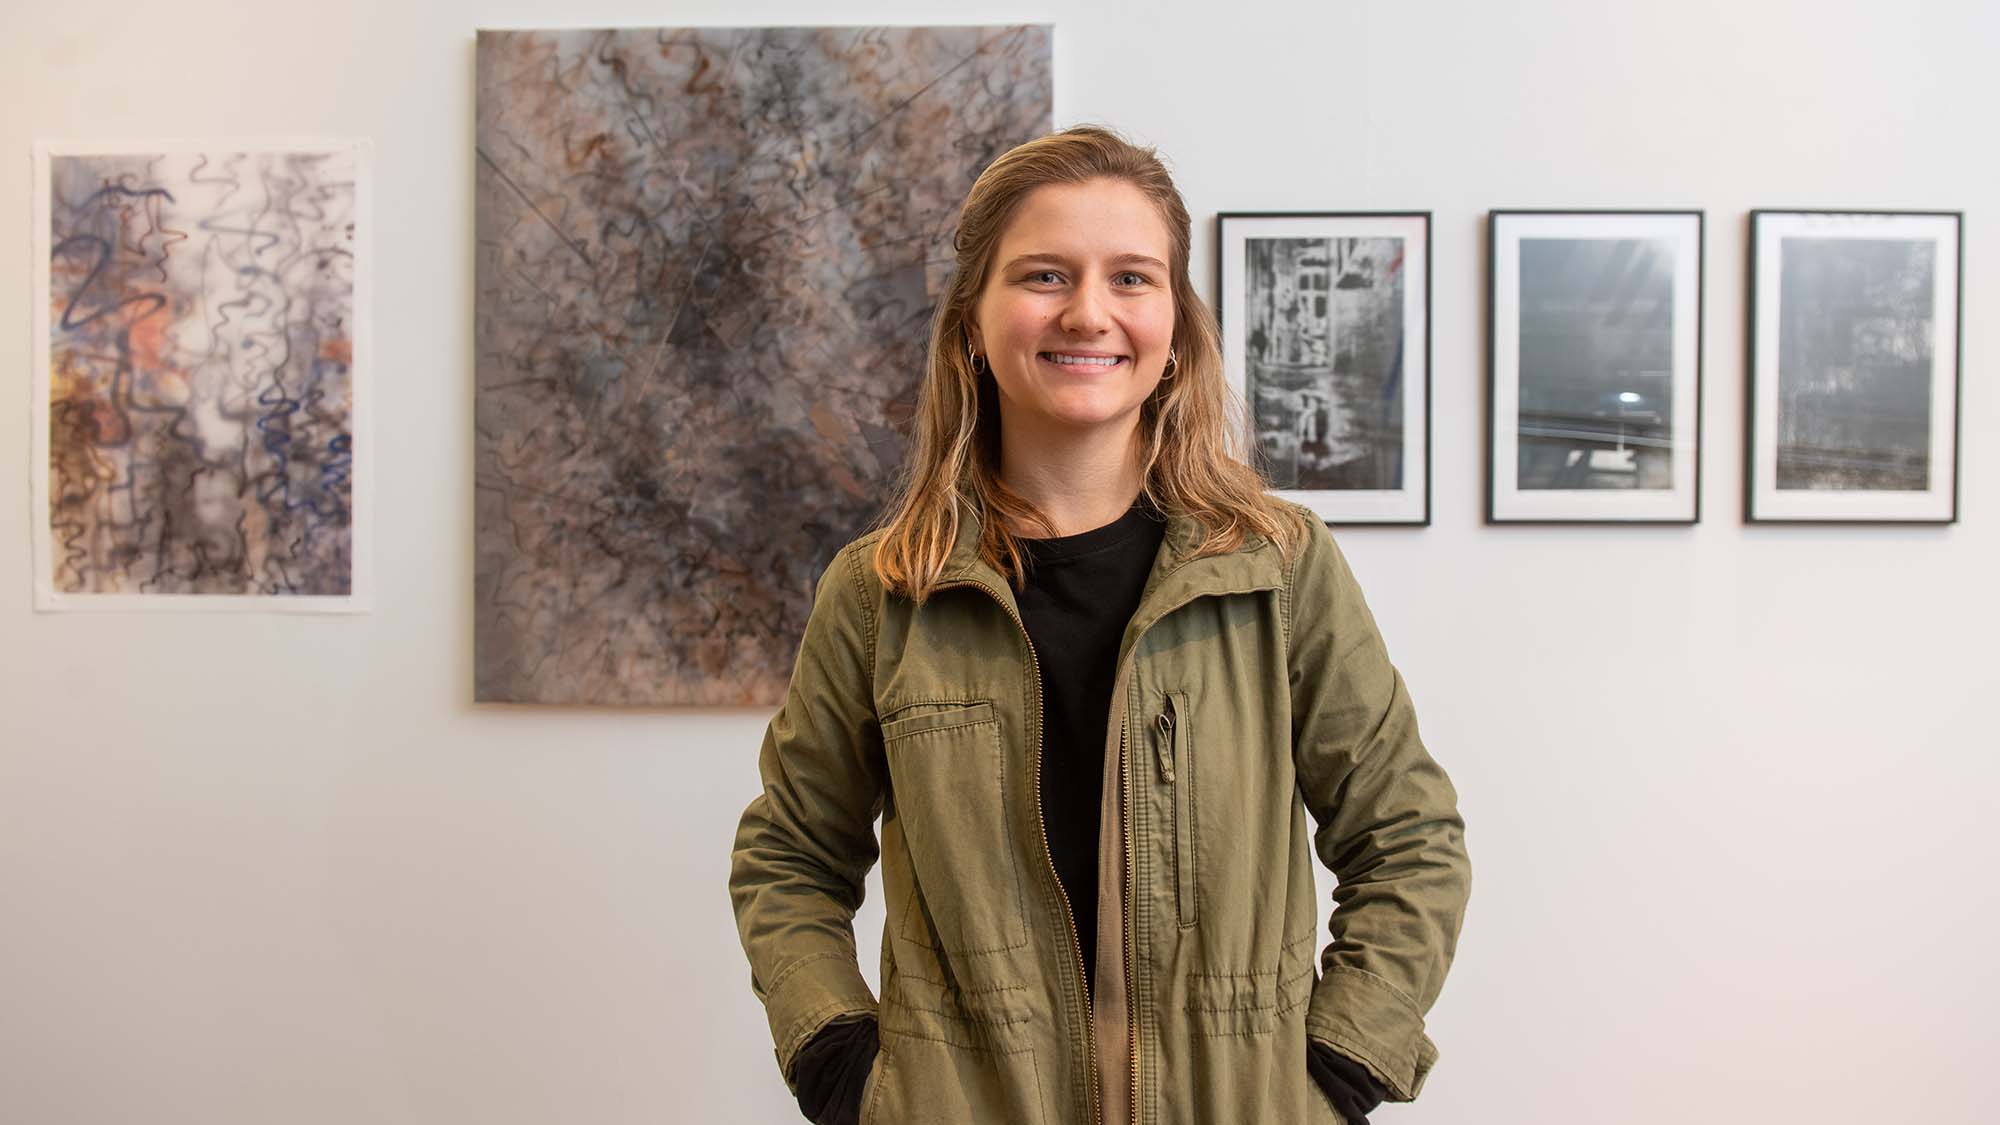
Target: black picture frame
1598 432
1296 432
1809 453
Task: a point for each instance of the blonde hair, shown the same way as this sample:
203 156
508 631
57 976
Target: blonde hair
1191 429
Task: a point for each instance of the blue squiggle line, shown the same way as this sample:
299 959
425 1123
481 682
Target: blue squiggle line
103 249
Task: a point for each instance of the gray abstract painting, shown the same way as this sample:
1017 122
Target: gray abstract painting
1855 377
707 260
1324 360
1596 363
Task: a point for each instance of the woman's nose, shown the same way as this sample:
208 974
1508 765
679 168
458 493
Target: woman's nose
1085 311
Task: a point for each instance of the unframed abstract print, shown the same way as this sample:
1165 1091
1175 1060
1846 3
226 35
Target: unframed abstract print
707 261
200 382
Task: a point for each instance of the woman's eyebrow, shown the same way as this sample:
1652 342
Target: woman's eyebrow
1116 259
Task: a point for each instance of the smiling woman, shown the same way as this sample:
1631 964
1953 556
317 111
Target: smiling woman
1078 330
1084 674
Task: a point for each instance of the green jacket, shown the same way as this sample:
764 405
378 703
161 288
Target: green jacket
1249 694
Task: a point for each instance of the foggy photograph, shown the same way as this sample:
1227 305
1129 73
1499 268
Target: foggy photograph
1854 363
1596 340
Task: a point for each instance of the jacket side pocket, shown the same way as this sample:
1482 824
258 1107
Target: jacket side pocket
949 779
871 1090
1177 767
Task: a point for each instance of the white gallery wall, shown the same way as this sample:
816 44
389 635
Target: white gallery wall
1727 788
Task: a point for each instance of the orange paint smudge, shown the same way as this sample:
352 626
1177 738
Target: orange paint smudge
829 424
339 350
146 341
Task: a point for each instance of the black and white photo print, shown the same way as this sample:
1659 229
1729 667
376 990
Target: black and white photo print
1595 366
1854 367
1325 326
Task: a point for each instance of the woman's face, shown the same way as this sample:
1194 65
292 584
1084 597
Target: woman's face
1080 274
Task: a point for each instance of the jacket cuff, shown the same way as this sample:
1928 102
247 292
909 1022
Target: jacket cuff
811 993
1368 1020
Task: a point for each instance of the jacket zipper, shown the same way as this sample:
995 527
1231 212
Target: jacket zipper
1125 916
1069 912
1172 764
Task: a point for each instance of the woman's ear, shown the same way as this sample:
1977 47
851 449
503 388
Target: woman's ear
972 335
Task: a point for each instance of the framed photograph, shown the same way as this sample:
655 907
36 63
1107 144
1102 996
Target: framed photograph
1594 366
1326 335
1854 366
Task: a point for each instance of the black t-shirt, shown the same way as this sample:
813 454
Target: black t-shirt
1079 595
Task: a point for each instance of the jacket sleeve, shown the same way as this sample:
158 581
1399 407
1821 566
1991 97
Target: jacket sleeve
1388 826
807 841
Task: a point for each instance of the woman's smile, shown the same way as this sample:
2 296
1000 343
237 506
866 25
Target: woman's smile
1081 363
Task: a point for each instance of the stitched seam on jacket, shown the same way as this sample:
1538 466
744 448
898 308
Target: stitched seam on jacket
784 975
1020 901
1298 999
1383 982
867 614
1285 591
965 1016
966 1045
1353 1048
891 716
869 1111
1188 768
900 736
961 989
1232 1033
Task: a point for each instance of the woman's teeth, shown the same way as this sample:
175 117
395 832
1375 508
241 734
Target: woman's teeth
1081 360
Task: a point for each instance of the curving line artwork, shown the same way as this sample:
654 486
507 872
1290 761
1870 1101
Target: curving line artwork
196 384
706 264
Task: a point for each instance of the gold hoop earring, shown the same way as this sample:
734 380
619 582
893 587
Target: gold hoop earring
1173 366
975 360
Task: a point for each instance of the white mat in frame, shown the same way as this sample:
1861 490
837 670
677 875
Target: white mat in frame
1598 427
1406 378
1929 337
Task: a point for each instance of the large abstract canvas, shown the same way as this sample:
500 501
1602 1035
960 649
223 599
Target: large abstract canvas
199 395
707 261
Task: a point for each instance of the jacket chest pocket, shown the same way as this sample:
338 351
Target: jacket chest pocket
950 781
1173 749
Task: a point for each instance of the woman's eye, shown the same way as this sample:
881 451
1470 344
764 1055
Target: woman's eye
1051 277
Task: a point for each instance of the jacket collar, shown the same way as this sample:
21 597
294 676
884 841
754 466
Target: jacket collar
1177 575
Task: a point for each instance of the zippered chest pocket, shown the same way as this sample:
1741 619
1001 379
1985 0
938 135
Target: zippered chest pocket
948 771
1173 749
